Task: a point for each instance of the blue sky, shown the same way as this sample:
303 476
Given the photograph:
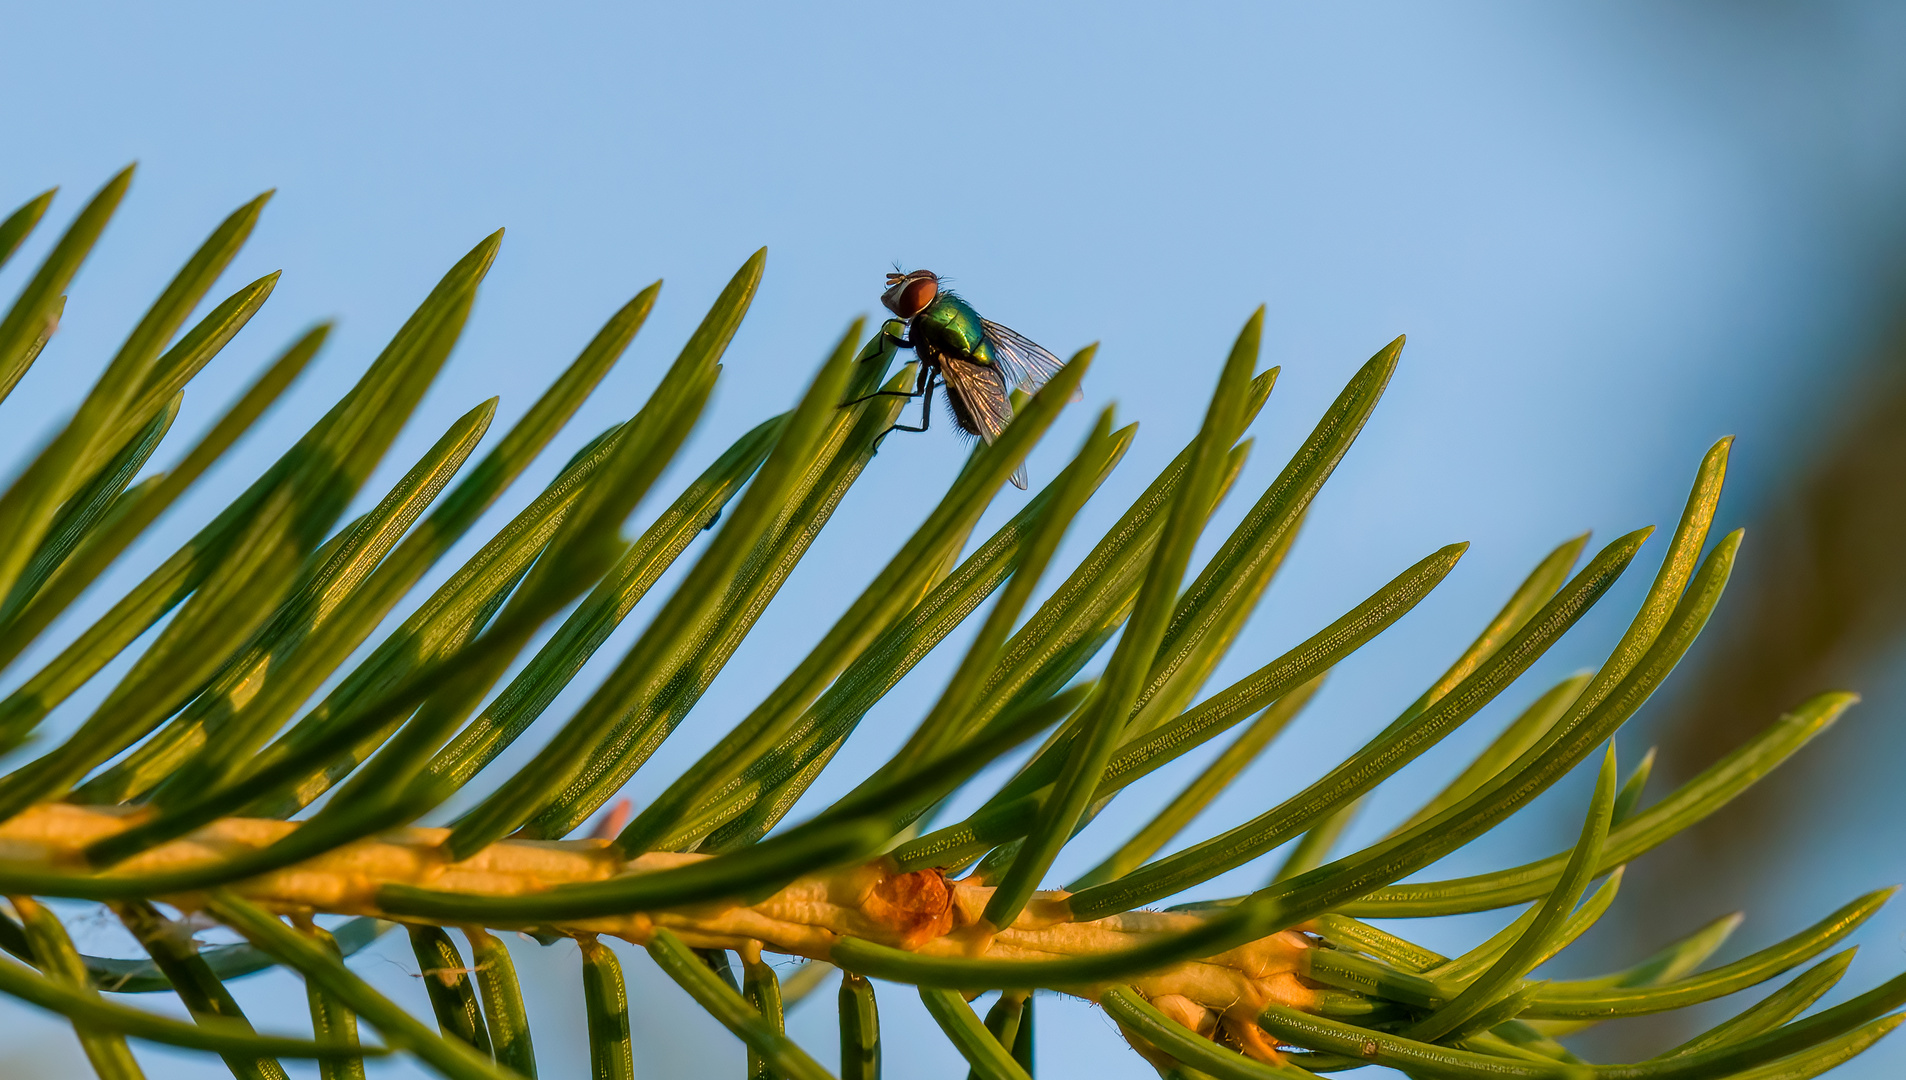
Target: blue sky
1613 233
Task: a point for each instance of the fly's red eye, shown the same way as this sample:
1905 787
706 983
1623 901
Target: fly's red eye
916 296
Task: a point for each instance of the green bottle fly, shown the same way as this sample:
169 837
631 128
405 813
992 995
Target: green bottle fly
977 359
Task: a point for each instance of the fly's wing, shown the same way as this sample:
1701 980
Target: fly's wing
1026 363
982 397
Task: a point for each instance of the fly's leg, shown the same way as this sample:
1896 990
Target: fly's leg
926 411
899 336
899 342
917 390
881 393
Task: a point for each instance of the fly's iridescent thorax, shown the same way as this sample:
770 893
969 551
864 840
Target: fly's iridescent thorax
950 325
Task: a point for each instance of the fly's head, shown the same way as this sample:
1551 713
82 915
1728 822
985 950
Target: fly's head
909 294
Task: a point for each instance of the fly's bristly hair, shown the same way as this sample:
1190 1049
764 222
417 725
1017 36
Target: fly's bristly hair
900 271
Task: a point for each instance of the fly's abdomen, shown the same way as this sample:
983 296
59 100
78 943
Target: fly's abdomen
962 415
932 357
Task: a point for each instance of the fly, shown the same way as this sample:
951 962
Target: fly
976 359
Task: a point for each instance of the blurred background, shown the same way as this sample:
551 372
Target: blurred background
1612 232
